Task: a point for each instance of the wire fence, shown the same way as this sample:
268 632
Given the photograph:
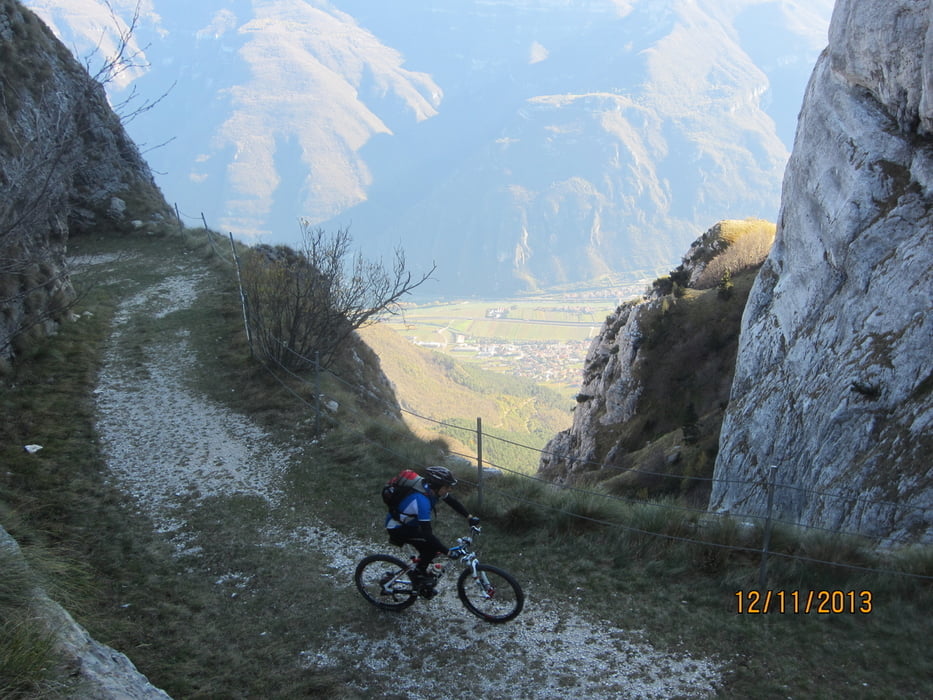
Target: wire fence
484 468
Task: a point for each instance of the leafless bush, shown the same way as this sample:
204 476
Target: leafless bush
303 305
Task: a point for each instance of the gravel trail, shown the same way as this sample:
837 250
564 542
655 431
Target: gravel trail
166 445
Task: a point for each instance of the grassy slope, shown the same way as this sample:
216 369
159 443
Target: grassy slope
686 366
433 386
191 637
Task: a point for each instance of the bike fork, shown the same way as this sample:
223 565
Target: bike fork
482 581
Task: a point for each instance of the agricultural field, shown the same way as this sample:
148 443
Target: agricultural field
543 338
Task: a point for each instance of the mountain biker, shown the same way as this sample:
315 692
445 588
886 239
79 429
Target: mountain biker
413 525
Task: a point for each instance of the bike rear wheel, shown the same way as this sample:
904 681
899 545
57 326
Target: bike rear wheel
383 581
494 594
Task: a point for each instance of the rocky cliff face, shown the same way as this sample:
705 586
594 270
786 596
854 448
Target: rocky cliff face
657 377
93 669
834 375
66 167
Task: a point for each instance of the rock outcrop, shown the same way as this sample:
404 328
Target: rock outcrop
657 377
66 167
95 670
834 380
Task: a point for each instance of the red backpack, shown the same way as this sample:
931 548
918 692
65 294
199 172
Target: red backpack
398 487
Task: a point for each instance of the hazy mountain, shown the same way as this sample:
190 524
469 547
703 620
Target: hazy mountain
517 143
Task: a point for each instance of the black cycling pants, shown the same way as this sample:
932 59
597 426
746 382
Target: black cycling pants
428 545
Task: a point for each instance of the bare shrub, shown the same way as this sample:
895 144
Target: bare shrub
303 305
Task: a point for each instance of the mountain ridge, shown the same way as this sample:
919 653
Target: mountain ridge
448 133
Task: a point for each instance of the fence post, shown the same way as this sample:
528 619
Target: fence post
479 460
210 235
766 541
239 279
317 393
181 226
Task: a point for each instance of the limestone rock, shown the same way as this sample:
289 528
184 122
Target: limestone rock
99 671
834 375
66 167
657 375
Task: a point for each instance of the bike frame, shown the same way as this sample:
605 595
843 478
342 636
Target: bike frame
469 558
487 591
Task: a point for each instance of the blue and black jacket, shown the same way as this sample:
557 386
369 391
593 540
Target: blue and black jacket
415 514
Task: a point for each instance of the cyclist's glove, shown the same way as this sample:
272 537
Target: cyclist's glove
455 552
473 521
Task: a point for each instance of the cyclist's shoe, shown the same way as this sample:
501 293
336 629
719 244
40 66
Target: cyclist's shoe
417 576
423 583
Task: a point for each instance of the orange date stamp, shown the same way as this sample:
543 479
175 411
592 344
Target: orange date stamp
821 602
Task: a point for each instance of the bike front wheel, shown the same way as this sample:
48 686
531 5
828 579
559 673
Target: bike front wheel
493 594
383 581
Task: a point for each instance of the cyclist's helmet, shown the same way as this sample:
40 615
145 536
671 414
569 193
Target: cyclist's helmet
439 476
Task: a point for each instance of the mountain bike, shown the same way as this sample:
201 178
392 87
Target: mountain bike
486 591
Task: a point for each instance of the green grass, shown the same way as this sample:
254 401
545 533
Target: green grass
227 618
27 658
28 664
685 594
444 398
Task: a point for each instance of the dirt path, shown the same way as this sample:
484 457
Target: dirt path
166 444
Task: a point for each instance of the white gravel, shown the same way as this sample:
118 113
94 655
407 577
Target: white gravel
167 446
164 443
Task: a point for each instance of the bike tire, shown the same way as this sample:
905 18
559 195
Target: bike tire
370 574
501 601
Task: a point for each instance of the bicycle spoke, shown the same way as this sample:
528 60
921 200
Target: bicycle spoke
382 580
492 595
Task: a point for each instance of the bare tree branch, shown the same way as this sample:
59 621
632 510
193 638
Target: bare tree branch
126 57
305 304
